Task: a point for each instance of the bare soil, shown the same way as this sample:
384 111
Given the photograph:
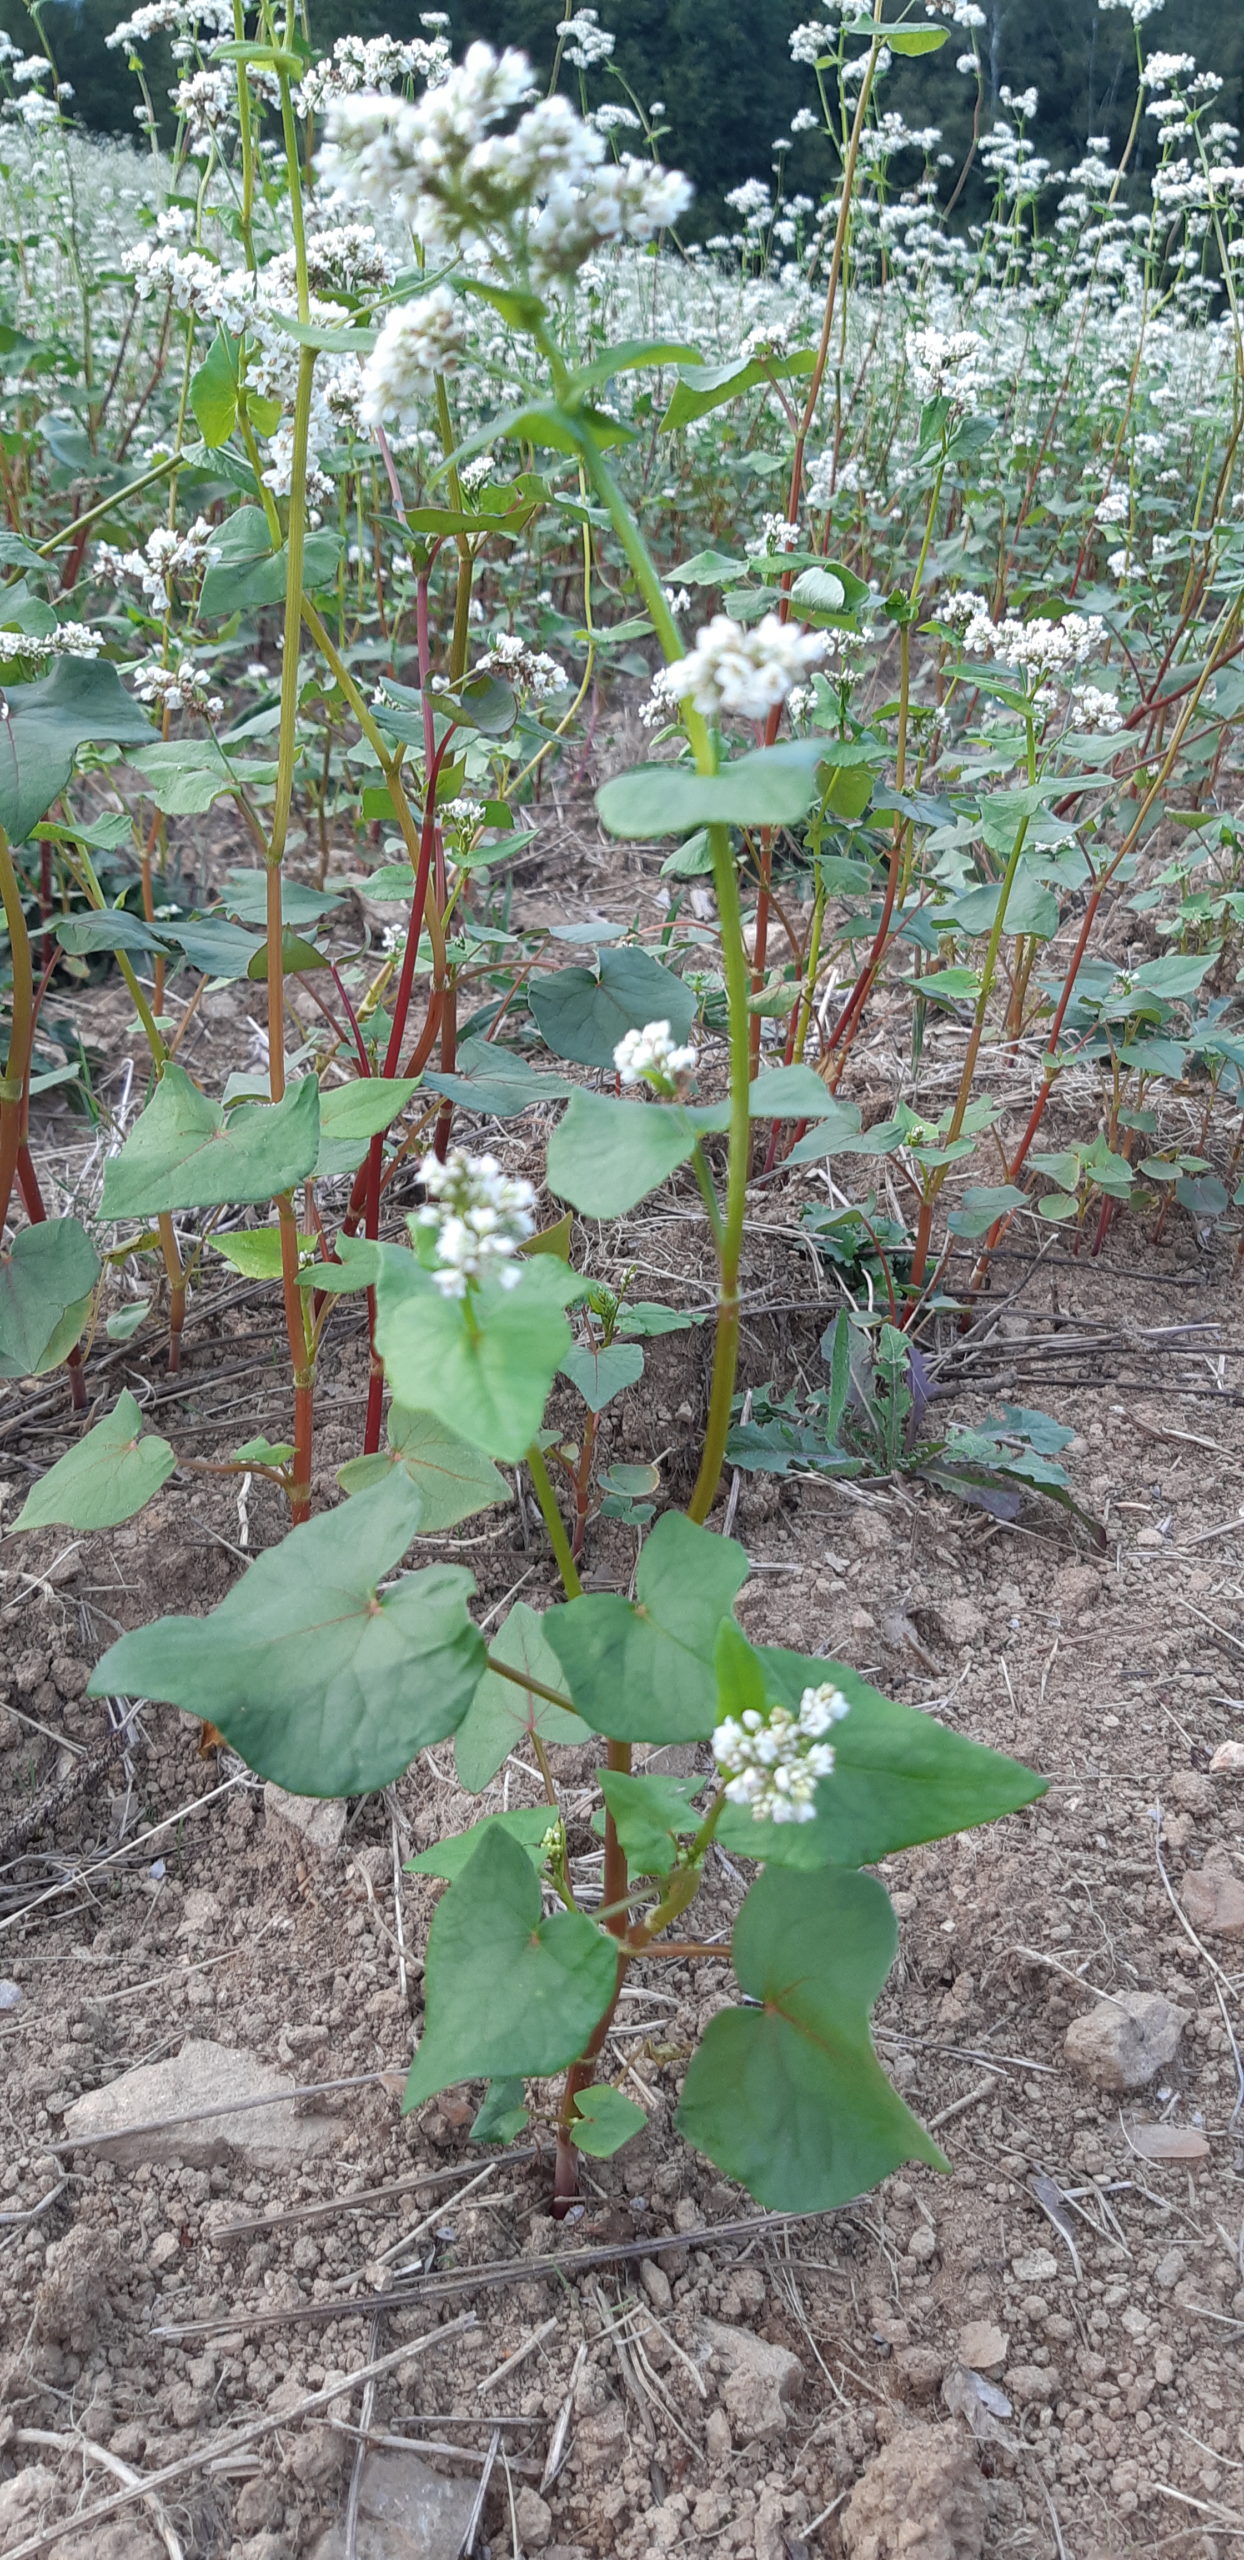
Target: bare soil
147 1896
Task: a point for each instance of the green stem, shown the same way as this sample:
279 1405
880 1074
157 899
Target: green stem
730 1247
555 1525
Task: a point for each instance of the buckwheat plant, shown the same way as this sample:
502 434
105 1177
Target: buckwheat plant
360 445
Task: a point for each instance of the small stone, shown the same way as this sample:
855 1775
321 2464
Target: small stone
1214 1900
982 2345
1149 1538
1124 2043
1039 2266
126 2119
921 2498
600 2438
718 2441
1031 2383
84 2271
920 2370
534 2520
657 2286
407 2511
1228 1759
1169 2269
760 2380
1191 1789
306 1822
10 1993
164 2250
922 2244
260 2505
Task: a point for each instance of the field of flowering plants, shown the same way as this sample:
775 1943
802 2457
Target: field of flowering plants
623 889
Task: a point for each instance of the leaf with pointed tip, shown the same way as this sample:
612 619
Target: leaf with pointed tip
184 1152
788 2096
502 1712
772 786
605 1156
526 1823
603 2120
583 1013
899 1777
604 1372
318 1678
486 1370
351 1115
45 1294
643 1670
108 1476
651 1815
45 723
454 1480
503 2114
506 1992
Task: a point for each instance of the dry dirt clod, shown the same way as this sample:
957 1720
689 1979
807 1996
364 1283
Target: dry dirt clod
982 2345
305 1822
125 2120
1124 2043
759 2383
922 2498
534 2520
1228 1759
407 2511
1213 1898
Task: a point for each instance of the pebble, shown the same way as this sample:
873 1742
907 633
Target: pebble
1213 1898
1040 2266
1124 2043
982 2344
760 2380
10 1993
123 2120
407 2511
305 1822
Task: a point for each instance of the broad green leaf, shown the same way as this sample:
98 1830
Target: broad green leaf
789 2097
702 387
818 591
604 1156
502 1715
1030 907
603 1373
454 1481
902 39
642 1670
107 1477
771 787
836 1131
244 894
708 569
632 356
256 1251
125 1322
351 1115
496 1082
791 1093
246 572
185 776
486 1369
111 929
506 1991
214 392
184 1152
45 1295
583 1013
899 1777
981 1203
528 1824
503 2113
265 1453
604 2119
82 700
651 1815
318 1678
645 1318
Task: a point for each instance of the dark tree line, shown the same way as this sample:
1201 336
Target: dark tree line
724 74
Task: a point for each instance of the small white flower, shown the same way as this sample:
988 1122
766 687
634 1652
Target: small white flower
651 1056
773 1763
949 367
532 669
743 670
479 1217
419 342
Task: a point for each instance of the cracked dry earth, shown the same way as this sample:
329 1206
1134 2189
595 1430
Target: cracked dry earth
1038 2355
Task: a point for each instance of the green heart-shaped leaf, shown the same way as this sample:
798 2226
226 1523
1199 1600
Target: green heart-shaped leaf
507 1992
184 1152
109 1475
789 2097
486 1369
45 1294
502 1713
643 1670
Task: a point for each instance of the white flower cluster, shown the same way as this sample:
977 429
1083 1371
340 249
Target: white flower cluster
190 23
947 366
1022 102
961 13
533 669
179 687
1162 68
419 342
958 611
652 1056
770 339
737 670
1114 508
479 1216
369 63
776 535
810 42
1094 710
165 558
587 42
772 1763
441 164
1137 10
1040 648
69 640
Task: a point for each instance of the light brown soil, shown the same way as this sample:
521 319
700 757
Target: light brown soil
1116 1675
